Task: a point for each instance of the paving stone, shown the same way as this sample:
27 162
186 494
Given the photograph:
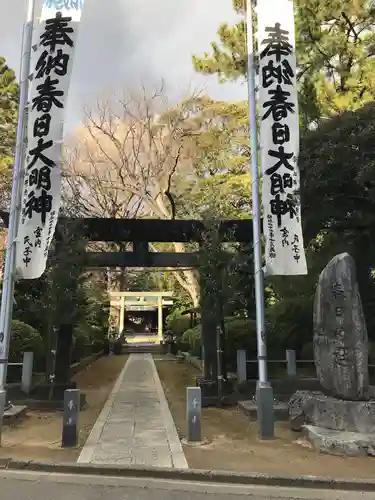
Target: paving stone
153 456
113 432
134 431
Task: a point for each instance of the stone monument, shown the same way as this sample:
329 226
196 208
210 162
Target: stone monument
340 419
340 334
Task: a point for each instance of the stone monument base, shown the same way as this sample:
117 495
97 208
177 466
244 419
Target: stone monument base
351 444
327 412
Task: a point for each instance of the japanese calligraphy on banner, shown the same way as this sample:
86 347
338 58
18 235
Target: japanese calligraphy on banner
279 139
51 70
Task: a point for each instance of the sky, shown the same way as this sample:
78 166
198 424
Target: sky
124 42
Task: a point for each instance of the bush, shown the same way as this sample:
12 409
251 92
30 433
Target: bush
290 325
178 324
24 338
192 339
97 346
240 334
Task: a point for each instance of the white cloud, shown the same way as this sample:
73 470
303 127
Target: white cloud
124 41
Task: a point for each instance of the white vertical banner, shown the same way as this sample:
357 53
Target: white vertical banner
51 70
279 139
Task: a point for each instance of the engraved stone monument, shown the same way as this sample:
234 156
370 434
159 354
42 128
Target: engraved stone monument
340 419
340 334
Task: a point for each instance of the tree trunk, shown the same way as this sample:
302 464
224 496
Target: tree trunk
208 332
64 354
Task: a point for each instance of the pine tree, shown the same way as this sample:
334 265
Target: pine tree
335 45
8 114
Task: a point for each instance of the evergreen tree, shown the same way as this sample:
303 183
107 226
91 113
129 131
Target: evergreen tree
335 45
8 114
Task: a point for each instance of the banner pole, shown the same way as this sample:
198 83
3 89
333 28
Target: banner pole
9 266
264 393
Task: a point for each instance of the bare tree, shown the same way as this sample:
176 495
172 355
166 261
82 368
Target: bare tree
129 159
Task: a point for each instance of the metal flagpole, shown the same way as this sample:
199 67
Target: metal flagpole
15 205
264 393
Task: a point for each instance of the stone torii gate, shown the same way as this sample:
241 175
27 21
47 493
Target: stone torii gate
127 301
140 233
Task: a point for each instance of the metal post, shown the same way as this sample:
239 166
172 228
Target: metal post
15 206
264 393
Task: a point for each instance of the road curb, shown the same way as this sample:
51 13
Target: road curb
201 476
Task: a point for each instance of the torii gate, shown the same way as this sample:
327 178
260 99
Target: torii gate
118 299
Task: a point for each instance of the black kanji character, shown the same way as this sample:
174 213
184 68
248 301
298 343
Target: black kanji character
278 104
38 237
282 73
48 94
281 207
283 160
284 235
27 250
38 204
48 62
42 125
280 133
26 241
38 154
277 44
280 182
27 259
41 178
57 32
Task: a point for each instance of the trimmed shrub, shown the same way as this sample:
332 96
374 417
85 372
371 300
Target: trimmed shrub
24 338
178 324
289 325
240 334
192 339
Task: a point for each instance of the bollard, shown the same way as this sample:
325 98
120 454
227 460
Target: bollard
241 366
27 372
291 366
72 401
194 410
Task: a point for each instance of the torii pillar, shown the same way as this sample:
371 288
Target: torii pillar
160 319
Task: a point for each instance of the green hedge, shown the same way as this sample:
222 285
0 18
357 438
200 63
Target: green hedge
290 326
24 338
178 324
240 334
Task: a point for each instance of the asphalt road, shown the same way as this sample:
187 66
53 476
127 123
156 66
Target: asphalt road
36 486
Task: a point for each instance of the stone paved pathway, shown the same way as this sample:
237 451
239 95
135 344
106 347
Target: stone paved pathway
135 427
